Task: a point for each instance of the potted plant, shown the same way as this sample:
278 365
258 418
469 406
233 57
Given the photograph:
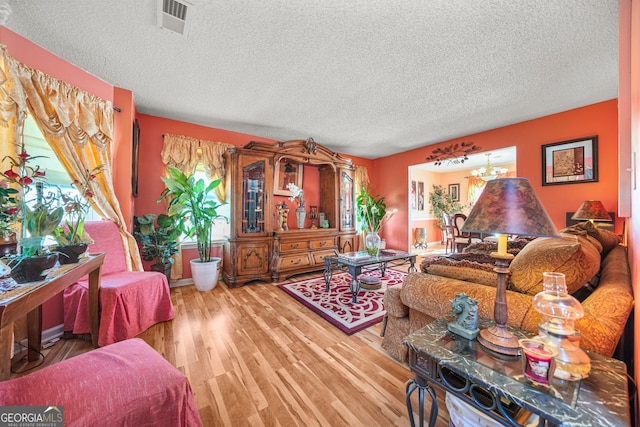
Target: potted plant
191 203
72 240
441 202
39 217
158 237
9 219
372 214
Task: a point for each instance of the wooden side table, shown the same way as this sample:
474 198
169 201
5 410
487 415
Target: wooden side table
29 299
494 384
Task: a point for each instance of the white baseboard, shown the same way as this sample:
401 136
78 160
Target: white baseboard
181 282
47 335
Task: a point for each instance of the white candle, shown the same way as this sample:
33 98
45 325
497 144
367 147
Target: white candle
502 244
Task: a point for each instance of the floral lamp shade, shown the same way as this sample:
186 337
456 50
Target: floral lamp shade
510 206
592 210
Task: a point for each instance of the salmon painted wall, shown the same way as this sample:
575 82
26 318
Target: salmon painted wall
528 137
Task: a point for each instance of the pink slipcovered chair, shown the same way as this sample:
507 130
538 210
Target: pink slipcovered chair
122 384
130 301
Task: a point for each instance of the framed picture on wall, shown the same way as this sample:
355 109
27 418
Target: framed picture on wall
420 195
414 195
135 158
286 172
570 162
454 192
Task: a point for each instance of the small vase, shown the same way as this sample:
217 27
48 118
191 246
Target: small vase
372 243
31 269
70 254
301 214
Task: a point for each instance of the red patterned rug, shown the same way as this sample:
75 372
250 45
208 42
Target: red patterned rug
335 305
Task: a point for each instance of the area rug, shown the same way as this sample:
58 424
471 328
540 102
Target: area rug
335 305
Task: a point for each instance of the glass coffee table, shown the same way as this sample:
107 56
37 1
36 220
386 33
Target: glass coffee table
358 262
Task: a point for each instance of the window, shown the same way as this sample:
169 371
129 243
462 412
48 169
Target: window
56 175
220 227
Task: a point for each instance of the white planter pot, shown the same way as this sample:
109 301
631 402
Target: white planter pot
205 274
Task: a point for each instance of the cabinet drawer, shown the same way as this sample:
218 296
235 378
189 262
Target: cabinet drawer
291 262
297 245
323 243
318 257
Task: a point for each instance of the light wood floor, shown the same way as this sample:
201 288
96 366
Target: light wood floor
256 357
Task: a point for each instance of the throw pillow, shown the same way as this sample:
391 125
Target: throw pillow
607 239
579 230
572 255
468 271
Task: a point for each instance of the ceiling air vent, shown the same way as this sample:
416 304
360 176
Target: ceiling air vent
172 15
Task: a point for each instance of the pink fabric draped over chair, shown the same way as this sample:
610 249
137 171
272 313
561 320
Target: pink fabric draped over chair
130 301
123 384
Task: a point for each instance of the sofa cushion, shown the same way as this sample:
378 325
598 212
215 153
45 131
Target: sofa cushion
572 255
608 239
468 271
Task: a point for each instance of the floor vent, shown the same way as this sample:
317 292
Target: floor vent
172 15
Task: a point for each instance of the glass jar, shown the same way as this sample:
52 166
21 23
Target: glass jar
372 243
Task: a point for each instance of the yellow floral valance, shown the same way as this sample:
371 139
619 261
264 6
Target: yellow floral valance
185 152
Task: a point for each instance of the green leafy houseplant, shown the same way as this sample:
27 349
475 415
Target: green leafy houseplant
370 211
191 203
40 214
9 211
442 202
158 235
76 208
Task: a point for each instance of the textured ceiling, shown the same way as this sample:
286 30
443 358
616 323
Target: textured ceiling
363 77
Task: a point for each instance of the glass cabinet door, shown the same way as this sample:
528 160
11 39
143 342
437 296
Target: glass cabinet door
253 197
347 206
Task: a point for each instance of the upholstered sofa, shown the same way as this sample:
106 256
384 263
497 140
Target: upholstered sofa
596 269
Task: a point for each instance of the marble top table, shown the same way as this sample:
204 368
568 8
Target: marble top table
494 383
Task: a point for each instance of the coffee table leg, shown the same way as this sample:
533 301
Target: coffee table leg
383 268
328 273
412 267
412 385
355 288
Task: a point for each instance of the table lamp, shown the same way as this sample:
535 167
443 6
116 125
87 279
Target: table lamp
506 206
592 210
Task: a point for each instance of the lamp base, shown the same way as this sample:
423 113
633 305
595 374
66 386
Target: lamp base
498 339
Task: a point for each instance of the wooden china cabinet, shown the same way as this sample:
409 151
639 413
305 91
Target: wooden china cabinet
256 249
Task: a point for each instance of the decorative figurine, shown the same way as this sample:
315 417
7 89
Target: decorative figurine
313 215
465 310
283 214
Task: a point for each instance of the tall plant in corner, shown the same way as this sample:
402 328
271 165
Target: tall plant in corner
191 202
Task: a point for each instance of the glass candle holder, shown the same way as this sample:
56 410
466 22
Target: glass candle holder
538 360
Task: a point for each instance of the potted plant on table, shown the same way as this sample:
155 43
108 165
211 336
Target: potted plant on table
158 237
9 219
371 214
39 216
72 240
191 203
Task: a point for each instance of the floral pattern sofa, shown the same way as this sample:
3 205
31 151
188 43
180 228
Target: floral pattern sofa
596 269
